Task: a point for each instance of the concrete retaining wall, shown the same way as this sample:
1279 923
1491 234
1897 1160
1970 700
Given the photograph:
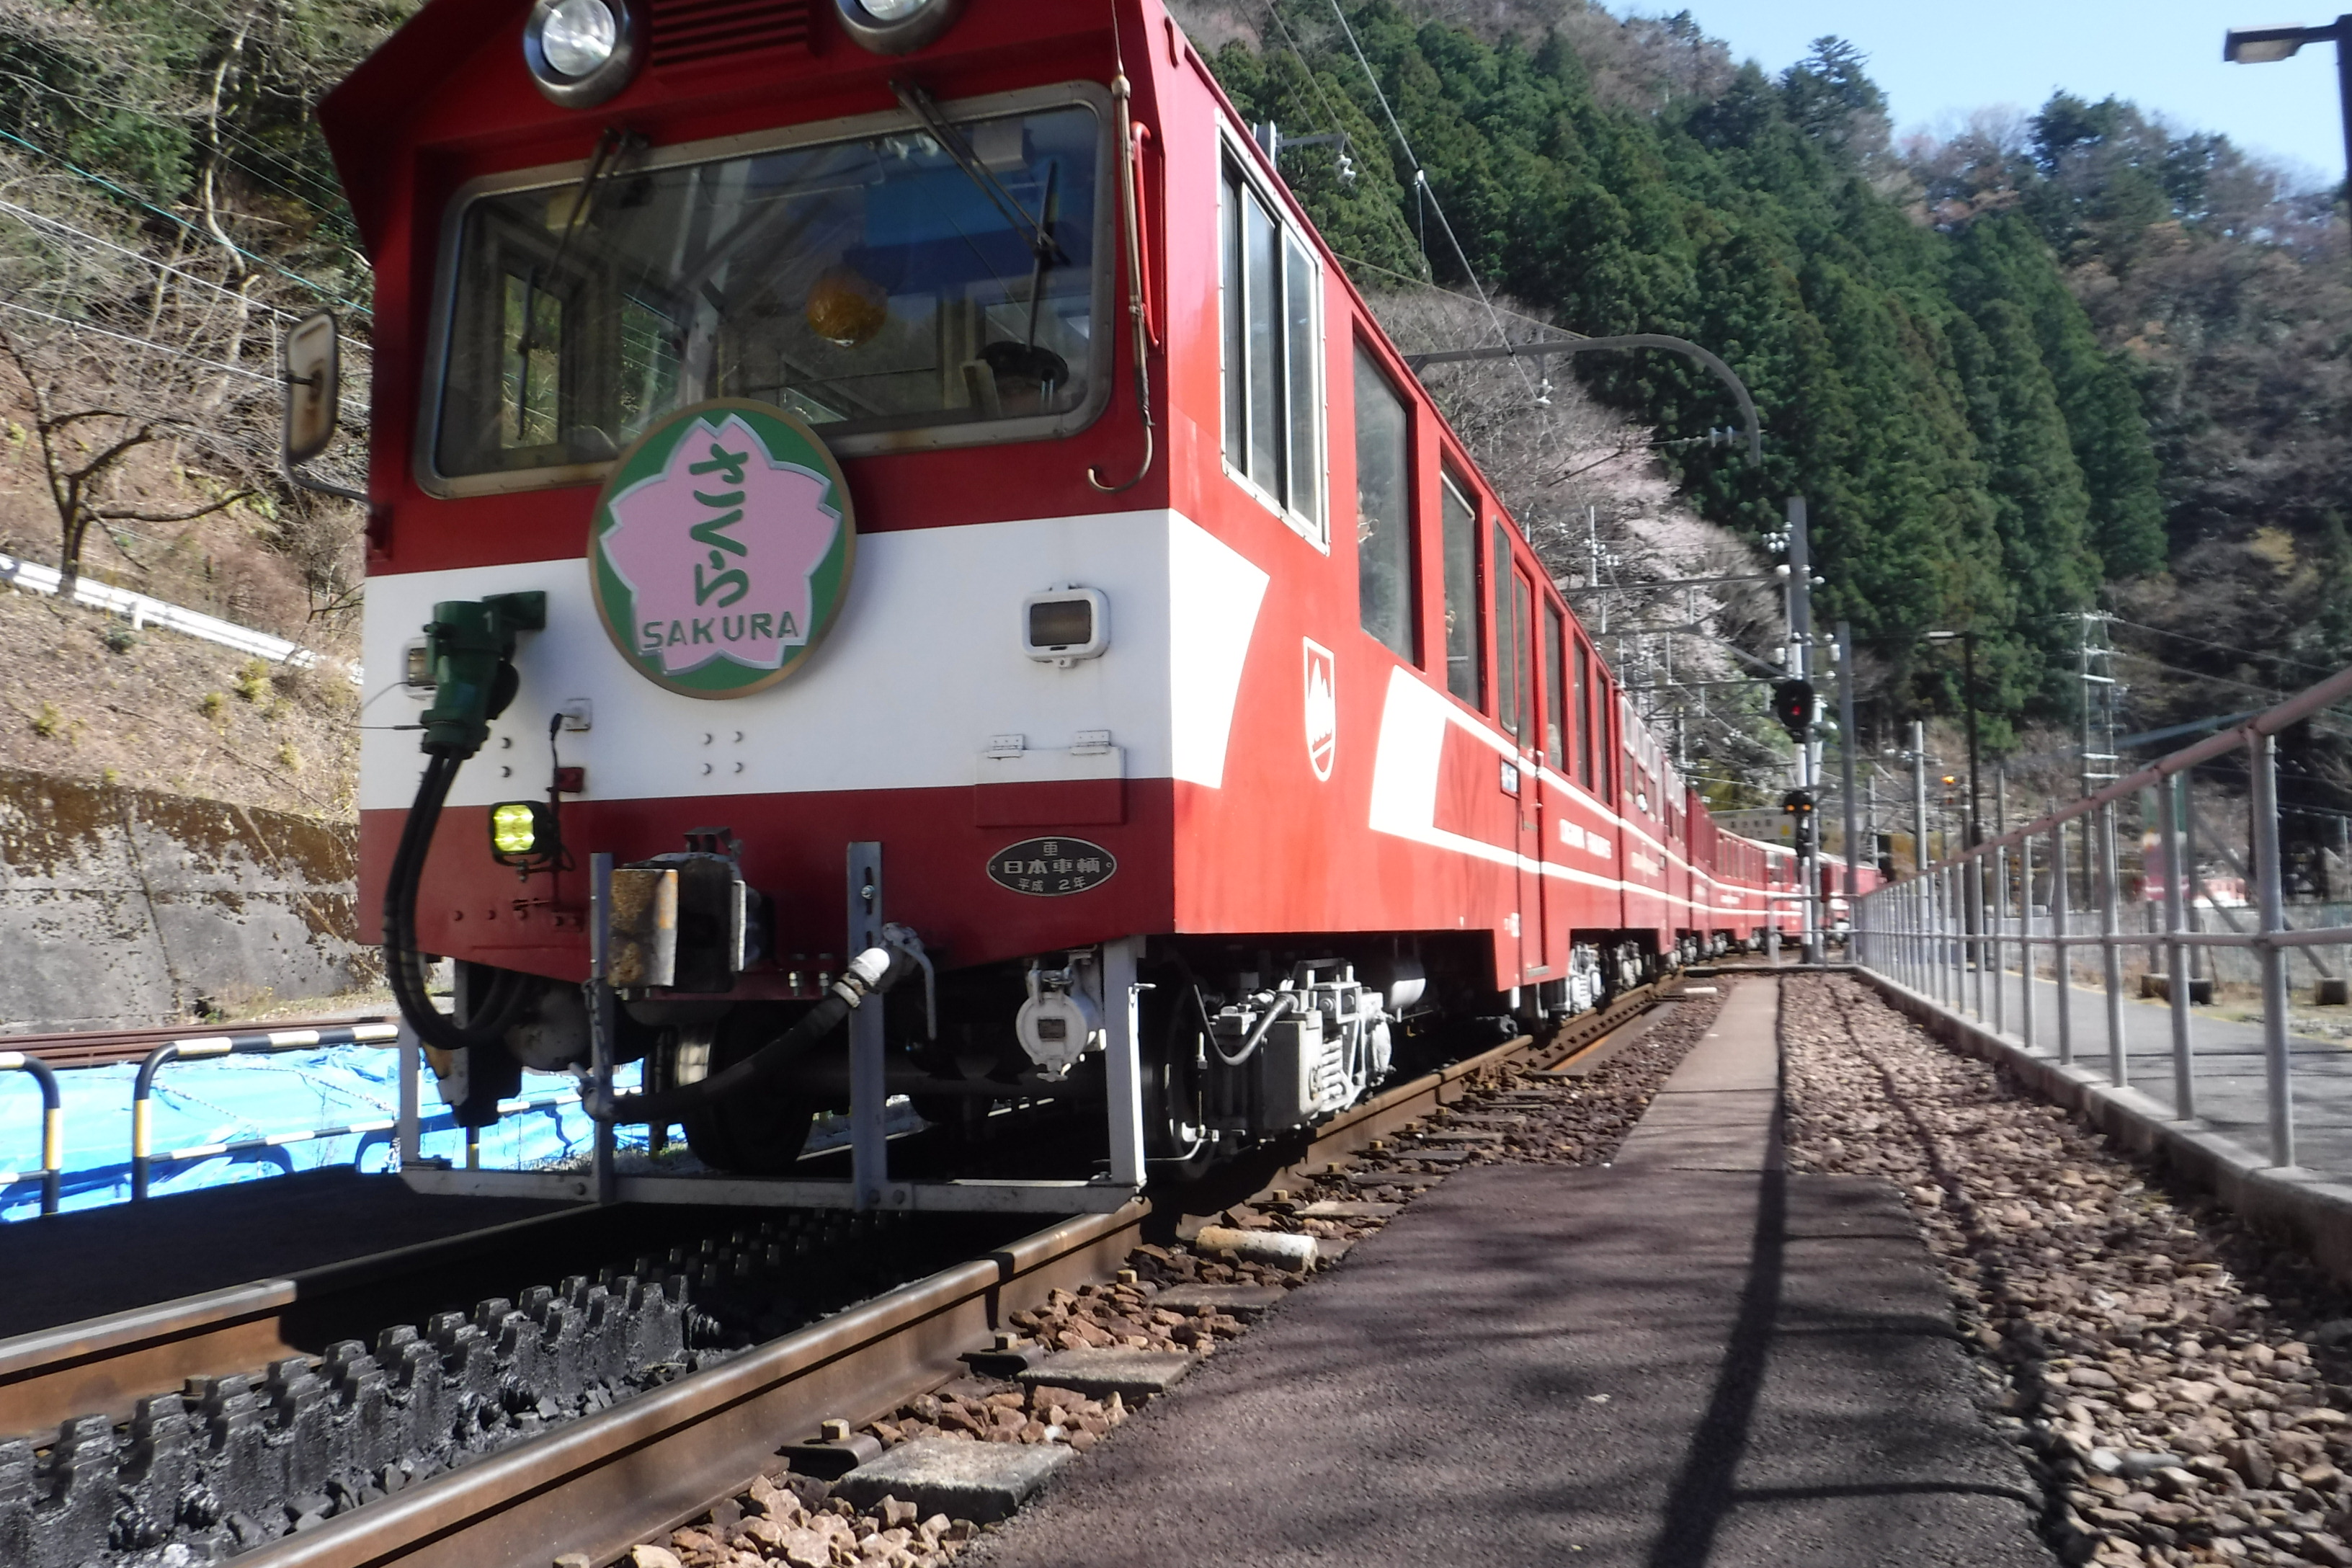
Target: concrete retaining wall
125 907
2315 1211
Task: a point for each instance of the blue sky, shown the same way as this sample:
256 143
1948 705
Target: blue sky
1937 62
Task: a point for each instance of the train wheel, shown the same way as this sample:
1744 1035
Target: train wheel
759 1132
1175 1139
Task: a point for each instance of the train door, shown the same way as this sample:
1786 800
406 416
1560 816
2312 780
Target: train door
1552 844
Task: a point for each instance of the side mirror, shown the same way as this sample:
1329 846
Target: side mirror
313 387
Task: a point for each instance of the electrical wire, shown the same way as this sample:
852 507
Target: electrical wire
142 342
169 216
1420 180
2323 670
324 195
43 220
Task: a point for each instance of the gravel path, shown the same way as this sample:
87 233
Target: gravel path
1521 1116
2180 1386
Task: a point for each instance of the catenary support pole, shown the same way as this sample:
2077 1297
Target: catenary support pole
1849 740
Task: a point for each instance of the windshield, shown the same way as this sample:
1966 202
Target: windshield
876 287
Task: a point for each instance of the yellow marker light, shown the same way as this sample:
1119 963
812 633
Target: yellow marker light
514 827
522 833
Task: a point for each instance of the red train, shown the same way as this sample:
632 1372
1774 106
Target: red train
932 425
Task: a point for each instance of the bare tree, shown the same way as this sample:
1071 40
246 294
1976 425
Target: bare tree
87 435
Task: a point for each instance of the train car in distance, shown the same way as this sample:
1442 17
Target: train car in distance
841 459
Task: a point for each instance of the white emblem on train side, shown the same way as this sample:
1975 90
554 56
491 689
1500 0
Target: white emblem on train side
1322 708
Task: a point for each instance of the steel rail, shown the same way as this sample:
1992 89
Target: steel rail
100 1365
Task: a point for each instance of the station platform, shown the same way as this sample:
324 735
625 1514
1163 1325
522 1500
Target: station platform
91 1262
1689 1357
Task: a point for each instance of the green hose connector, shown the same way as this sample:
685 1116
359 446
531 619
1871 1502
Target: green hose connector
470 648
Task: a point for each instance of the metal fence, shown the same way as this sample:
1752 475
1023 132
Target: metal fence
2024 935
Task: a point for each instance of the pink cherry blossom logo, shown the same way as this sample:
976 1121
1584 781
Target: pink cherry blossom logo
722 548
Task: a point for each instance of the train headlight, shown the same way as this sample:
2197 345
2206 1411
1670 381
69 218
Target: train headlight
523 834
895 26
582 52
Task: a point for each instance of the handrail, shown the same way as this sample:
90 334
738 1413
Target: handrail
53 1121
200 1046
2336 688
1945 931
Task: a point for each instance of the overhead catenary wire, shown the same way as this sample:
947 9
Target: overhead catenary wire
2223 648
1421 176
170 216
323 194
148 343
57 225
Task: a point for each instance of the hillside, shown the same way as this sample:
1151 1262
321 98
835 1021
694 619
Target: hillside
84 697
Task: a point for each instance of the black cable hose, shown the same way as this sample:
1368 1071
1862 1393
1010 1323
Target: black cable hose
670 1105
403 964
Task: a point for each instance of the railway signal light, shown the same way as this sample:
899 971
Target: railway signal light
1798 806
1793 704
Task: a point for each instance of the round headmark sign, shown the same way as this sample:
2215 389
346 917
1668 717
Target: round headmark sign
721 548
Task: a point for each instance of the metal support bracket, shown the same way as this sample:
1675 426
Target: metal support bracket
601 1066
869 1146
1122 1006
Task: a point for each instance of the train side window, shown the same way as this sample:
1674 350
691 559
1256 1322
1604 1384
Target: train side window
1588 714
1383 510
1555 694
1509 694
1459 523
1272 358
1514 603
1603 779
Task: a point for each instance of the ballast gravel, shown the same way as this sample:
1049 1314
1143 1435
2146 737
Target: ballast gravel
2181 1385
1516 1115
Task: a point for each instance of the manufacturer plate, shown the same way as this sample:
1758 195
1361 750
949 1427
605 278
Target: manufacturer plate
1050 868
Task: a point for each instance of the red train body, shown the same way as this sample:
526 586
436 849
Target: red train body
1340 711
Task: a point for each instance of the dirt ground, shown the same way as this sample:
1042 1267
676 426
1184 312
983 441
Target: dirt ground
83 697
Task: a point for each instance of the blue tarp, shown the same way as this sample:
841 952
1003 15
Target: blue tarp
231 1099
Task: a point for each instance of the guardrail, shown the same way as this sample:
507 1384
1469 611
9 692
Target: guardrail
32 577
53 1125
1948 936
196 1048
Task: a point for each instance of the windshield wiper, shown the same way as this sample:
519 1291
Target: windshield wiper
1039 234
613 146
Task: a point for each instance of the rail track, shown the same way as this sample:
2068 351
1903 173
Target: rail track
597 1484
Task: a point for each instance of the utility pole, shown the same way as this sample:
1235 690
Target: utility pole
1801 655
1969 676
1847 740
